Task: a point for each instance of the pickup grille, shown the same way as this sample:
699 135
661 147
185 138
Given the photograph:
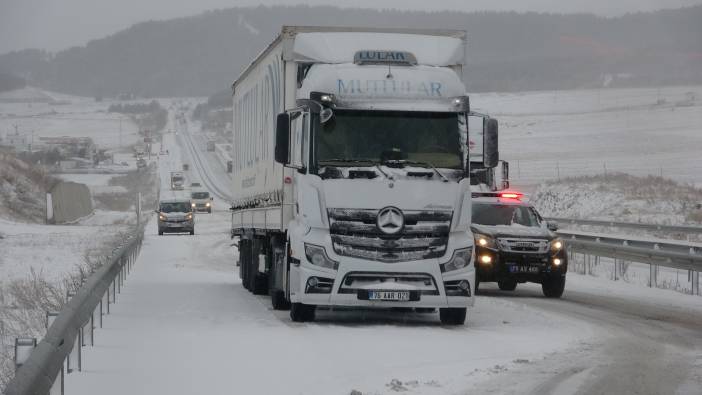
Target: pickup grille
354 233
534 246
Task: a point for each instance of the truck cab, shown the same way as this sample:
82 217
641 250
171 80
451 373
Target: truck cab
371 160
514 244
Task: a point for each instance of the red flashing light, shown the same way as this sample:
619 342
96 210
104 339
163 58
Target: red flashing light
511 195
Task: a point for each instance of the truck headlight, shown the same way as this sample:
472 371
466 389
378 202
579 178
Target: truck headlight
460 259
485 241
556 245
317 256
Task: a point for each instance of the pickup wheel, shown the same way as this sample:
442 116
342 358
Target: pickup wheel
453 316
553 286
302 312
507 285
160 232
192 232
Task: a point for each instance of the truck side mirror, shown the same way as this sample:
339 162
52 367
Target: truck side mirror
491 155
282 138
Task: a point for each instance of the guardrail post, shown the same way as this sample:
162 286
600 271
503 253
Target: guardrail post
23 349
73 360
695 282
653 276
57 387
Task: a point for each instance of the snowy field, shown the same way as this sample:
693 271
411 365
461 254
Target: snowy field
548 135
71 116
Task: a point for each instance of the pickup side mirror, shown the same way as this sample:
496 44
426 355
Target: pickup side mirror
282 138
491 153
157 212
211 198
552 225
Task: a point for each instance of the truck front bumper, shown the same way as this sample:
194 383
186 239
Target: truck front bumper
353 281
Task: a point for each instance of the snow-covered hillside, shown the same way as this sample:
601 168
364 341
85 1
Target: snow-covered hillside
620 197
556 134
22 190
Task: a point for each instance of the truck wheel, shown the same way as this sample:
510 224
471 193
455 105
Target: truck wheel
302 312
278 300
453 316
507 285
476 287
260 284
553 286
244 252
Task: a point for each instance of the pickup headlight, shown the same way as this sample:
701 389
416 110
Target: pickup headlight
317 256
189 216
192 204
460 259
207 204
557 245
162 217
485 241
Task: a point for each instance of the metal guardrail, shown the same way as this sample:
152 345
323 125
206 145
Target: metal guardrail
686 229
65 336
655 253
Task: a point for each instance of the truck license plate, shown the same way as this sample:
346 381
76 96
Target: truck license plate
523 269
400 296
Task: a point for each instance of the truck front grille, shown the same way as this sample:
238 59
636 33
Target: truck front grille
354 233
534 246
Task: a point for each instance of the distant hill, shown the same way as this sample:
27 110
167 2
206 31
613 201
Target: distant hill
508 51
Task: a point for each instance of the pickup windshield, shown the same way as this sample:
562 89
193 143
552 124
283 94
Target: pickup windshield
200 195
504 214
177 207
351 137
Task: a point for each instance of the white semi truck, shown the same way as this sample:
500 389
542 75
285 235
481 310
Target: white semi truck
351 179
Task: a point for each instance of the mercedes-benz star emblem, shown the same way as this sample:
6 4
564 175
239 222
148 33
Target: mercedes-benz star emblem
390 220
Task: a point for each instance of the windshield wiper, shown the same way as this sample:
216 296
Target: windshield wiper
426 164
346 160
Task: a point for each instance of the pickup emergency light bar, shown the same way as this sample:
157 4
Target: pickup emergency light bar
503 194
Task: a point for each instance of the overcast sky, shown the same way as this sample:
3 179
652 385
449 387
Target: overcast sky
59 24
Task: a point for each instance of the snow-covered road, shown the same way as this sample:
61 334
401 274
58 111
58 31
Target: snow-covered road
185 325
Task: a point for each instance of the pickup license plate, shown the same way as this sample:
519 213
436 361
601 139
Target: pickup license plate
400 296
523 269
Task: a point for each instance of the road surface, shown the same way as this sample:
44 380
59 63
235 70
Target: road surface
185 325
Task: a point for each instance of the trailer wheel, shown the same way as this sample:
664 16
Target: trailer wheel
302 312
244 253
553 286
507 285
453 316
278 300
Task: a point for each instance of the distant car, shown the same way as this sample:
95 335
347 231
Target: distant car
195 185
201 201
141 163
514 244
175 215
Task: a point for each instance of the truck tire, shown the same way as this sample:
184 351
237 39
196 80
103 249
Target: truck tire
553 286
260 284
278 300
476 287
507 285
244 253
453 316
302 312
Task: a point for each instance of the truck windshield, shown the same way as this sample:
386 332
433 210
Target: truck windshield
176 207
504 214
370 136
